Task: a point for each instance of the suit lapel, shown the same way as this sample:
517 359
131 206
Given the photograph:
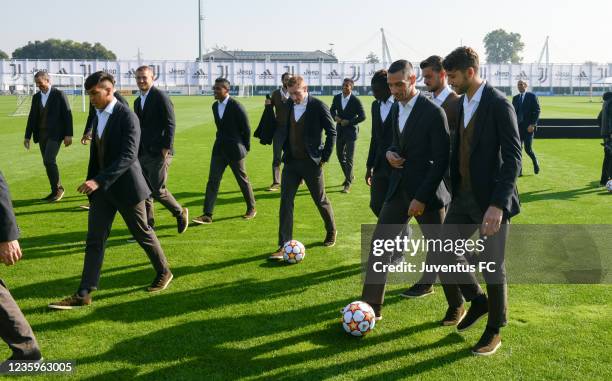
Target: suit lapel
415 114
481 113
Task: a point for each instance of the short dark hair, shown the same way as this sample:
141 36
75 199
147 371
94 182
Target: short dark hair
98 77
285 74
607 96
379 77
41 74
433 62
145 68
401 65
461 58
349 80
223 81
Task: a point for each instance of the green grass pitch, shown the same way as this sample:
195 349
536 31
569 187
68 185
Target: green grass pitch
231 315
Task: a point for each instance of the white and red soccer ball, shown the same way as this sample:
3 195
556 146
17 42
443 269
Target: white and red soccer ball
293 251
358 318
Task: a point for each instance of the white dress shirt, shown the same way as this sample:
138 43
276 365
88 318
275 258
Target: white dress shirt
345 100
284 94
103 116
469 107
440 98
44 97
221 108
385 107
299 110
143 98
405 110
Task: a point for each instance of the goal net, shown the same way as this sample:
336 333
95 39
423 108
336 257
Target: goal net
73 85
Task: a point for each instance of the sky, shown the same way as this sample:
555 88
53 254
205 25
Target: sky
164 29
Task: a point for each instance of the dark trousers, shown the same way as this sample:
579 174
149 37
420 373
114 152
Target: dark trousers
378 190
218 163
155 169
15 329
345 150
527 143
277 155
606 167
102 211
49 149
293 172
391 222
462 221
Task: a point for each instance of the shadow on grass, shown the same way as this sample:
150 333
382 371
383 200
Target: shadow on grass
548 195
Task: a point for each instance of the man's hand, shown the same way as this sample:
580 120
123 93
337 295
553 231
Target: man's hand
268 102
67 141
344 123
88 187
395 160
337 119
491 222
531 128
321 163
416 208
26 143
85 139
166 151
10 252
368 177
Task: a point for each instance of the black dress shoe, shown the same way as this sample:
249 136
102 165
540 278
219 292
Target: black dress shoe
418 291
478 309
330 238
536 169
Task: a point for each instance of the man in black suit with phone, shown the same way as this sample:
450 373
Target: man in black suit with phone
527 108
304 155
115 183
419 158
378 170
157 124
232 143
14 328
485 163
50 122
347 111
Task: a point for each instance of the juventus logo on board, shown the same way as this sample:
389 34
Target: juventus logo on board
223 71
156 70
543 74
356 73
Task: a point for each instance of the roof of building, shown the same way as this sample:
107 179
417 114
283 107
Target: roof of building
250 55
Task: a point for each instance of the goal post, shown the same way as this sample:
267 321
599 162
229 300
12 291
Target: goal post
73 85
245 91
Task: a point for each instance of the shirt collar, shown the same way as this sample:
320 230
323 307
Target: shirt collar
109 108
478 95
347 97
304 101
224 102
47 93
147 93
412 101
443 94
284 93
391 99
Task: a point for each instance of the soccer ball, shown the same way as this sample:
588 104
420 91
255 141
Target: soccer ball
609 185
293 251
358 318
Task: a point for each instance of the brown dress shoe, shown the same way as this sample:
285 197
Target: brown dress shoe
202 220
454 315
330 238
488 344
273 188
278 255
250 214
71 302
182 221
161 282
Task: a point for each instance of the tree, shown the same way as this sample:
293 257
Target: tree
63 49
372 58
503 47
3 55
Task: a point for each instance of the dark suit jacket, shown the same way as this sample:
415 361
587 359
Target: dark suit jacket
8 226
91 117
425 144
59 116
530 110
233 131
157 122
353 112
317 119
604 119
495 158
380 141
121 176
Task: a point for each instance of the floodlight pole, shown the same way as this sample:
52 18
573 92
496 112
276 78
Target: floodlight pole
200 30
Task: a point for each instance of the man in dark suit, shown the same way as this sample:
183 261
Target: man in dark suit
115 183
604 119
485 163
157 124
304 155
14 328
280 101
347 111
527 108
50 122
419 158
436 82
232 143
378 170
